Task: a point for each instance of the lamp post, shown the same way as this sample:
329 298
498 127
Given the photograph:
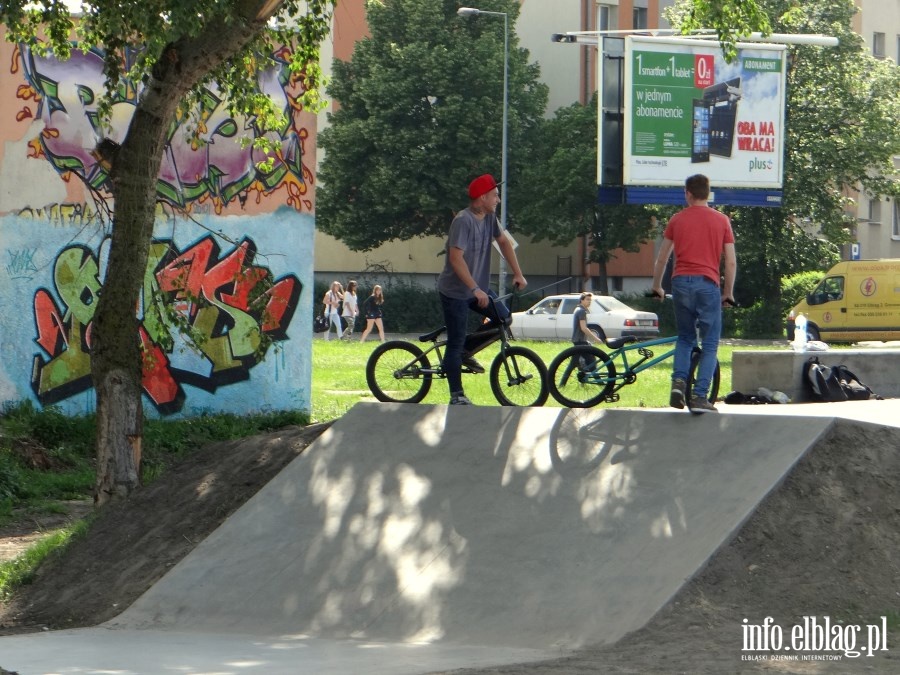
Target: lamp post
471 11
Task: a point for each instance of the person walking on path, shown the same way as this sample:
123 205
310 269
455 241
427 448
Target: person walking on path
463 283
701 239
350 310
332 301
374 315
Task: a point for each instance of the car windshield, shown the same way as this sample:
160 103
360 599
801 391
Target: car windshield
609 303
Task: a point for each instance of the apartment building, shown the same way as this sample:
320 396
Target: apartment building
878 220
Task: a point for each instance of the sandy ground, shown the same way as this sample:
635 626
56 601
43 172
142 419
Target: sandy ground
825 543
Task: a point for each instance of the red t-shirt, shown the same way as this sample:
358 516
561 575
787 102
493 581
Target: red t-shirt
699 234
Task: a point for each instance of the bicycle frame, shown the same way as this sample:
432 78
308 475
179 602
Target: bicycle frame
647 360
437 346
630 371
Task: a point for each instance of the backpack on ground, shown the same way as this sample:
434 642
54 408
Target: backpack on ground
850 383
822 381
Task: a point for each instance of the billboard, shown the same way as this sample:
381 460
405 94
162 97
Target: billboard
687 111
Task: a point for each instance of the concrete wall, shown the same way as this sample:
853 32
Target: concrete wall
233 229
782 370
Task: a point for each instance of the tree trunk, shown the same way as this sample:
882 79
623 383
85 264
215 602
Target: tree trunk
603 278
115 351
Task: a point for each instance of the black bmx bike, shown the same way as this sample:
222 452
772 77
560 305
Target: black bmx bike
399 371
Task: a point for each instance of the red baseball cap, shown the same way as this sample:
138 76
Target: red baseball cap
481 186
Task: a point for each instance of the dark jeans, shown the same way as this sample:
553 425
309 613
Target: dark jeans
456 317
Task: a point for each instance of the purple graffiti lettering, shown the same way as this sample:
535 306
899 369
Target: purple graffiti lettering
211 168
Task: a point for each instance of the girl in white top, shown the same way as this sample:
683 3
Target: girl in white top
332 302
351 309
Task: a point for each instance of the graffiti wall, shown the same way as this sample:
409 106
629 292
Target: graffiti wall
223 317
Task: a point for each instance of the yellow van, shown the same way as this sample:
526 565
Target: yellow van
857 300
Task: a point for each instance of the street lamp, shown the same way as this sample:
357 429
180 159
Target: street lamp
471 11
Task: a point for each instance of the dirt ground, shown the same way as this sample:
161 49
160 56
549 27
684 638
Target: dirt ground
826 543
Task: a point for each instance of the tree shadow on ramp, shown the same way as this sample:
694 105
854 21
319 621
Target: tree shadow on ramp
462 525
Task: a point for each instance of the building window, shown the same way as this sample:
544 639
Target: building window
603 17
878 45
874 210
640 18
895 232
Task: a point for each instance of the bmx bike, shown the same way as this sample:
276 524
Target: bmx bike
584 376
399 371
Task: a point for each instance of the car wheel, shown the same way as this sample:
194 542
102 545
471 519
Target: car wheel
598 333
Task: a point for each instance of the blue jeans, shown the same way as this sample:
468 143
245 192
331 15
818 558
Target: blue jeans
456 317
698 305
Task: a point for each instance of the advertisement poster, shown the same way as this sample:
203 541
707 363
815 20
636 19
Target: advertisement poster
688 111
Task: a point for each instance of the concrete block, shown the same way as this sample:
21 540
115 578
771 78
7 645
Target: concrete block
782 370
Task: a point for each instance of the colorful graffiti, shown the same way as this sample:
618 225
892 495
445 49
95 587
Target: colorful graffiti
205 319
211 167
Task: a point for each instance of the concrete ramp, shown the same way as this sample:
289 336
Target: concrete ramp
515 533
538 528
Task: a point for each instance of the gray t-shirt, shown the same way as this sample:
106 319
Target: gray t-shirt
474 237
577 334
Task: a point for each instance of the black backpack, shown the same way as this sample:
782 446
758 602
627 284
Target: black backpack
822 381
853 388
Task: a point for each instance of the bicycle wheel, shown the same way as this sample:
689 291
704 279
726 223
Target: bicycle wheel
519 377
713 385
394 373
581 376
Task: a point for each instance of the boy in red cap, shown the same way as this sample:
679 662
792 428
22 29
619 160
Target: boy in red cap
463 283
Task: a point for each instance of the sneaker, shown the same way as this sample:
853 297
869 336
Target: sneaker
676 398
460 399
473 365
700 405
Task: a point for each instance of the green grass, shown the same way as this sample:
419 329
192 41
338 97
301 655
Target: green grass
20 571
67 445
339 377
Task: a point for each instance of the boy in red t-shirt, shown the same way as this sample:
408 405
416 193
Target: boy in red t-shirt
701 238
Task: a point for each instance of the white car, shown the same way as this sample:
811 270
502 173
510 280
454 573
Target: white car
551 319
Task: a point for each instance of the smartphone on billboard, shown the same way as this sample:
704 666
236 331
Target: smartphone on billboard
700 131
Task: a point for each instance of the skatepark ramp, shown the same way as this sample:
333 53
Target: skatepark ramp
515 534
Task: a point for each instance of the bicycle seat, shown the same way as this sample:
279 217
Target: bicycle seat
615 343
433 335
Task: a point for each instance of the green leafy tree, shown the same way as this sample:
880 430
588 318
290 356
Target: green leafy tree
730 19
168 50
420 115
555 195
842 132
